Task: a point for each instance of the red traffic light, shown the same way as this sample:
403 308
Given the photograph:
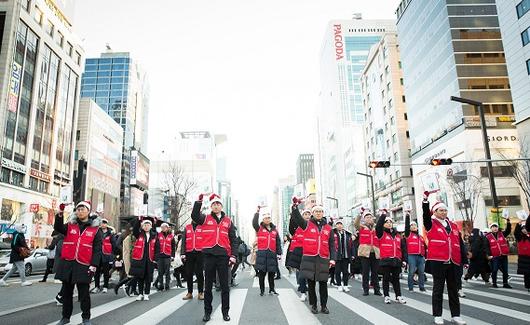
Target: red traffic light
379 164
443 161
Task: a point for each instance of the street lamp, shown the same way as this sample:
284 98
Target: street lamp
334 199
480 109
372 184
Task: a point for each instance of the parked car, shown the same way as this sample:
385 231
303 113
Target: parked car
36 262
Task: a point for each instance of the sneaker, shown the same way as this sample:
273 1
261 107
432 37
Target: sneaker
438 320
494 285
458 320
273 292
461 293
86 322
401 300
346 289
59 300
314 309
341 289
423 290
64 321
200 296
411 289
324 310
3 283
387 300
42 281
26 283
507 286
104 290
226 318
366 293
206 317
303 296
57 281
146 297
188 296
140 298
95 290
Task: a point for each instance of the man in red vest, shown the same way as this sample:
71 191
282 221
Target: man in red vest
80 255
107 258
445 254
191 254
166 240
498 251
219 246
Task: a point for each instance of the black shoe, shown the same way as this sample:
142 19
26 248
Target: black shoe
273 292
314 309
422 289
166 288
277 278
377 293
494 285
59 299
206 317
507 286
411 289
366 293
226 318
64 321
43 280
325 310
262 293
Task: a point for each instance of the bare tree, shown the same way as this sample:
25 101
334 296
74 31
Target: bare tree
467 190
520 169
179 186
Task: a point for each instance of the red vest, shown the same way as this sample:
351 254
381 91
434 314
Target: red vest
216 234
78 246
138 249
498 246
267 239
165 243
316 242
193 238
415 244
443 247
298 239
390 247
523 246
368 237
107 246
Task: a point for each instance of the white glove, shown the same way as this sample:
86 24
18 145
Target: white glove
92 269
183 257
232 260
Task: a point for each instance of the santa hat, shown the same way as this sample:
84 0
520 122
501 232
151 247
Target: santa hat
165 224
389 219
215 198
147 221
104 220
85 204
337 222
486 230
306 211
414 223
494 225
264 212
365 212
317 207
438 205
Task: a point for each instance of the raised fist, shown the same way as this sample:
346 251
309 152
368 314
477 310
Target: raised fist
61 207
259 208
426 195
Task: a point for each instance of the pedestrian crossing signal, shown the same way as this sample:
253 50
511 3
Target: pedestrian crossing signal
443 161
379 164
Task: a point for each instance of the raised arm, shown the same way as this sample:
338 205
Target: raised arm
196 212
508 229
297 218
407 225
59 225
255 223
427 221
292 227
379 225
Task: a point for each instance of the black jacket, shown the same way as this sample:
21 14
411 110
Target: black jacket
15 247
216 250
349 251
72 271
267 260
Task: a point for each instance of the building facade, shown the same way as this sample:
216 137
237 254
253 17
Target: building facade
386 130
305 168
514 20
40 66
117 83
454 48
98 160
340 153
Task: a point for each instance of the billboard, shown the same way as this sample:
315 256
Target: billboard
139 174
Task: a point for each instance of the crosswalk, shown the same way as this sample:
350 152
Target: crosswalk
482 306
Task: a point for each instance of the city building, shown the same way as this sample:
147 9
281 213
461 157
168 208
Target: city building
386 131
98 160
454 48
305 168
285 194
514 21
40 66
340 154
117 83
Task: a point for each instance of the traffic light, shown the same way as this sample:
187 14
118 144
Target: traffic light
443 161
379 164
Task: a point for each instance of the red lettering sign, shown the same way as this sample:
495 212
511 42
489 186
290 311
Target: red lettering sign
339 44
34 208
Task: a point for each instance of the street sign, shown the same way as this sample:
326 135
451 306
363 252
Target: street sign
449 172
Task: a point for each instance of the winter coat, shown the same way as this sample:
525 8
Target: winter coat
365 250
58 250
144 268
348 253
253 254
266 260
127 244
106 259
523 262
478 263
72 271
390 262
294 258
16 246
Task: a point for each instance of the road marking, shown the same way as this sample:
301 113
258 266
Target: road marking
160 312
295 311
237 300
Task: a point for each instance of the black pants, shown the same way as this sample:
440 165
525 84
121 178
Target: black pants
445 273
499 263
144 282
458 276
341 271
369 266
164 264
49 268
84 298
323 291
177 273
527 280
194 265
485 276
391 275
216 264
270 277
103 268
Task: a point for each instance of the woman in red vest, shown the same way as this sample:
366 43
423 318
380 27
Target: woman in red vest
392 252
166 240
444 256
295 249
319 253
80 255
145 249
498 251
523 249
269 250
368 251
191 254
415 253
107 258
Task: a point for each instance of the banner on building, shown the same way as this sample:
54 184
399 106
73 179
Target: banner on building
14 87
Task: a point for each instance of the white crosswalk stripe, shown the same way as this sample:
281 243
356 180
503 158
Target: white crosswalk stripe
237 300
160 312
295 310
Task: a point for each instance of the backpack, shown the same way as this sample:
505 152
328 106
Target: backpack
23 251
242 248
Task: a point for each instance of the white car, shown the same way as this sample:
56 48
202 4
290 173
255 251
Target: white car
36 262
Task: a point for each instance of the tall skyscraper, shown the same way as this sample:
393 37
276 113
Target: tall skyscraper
40 63
514 20
119 86
305 168
454 48
340 141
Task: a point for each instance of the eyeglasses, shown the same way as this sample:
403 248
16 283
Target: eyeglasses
388 221
318 211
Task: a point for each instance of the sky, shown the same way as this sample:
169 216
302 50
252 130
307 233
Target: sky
245 68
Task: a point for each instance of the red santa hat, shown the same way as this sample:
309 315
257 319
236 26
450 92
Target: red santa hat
215 198
85 204
365 212
438 205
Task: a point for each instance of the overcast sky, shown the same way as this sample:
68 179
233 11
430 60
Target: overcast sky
246 68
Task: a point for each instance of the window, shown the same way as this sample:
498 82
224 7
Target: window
399 64
392 120
60 39
69 49
77 58
78 135
394 138
407 133
38 15
25 4
522 8
498 171
403 99
49 28
401 81
525 36
528 66
405 116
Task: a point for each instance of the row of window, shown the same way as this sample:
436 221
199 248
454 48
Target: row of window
528 66
107 61
525 36
522 8
104 80
94 74
107 67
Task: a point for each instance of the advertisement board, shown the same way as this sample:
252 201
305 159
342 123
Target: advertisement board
139 173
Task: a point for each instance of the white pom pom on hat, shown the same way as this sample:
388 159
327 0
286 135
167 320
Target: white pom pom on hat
438 205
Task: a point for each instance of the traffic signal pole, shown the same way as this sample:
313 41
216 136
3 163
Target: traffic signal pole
487 152
373 192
